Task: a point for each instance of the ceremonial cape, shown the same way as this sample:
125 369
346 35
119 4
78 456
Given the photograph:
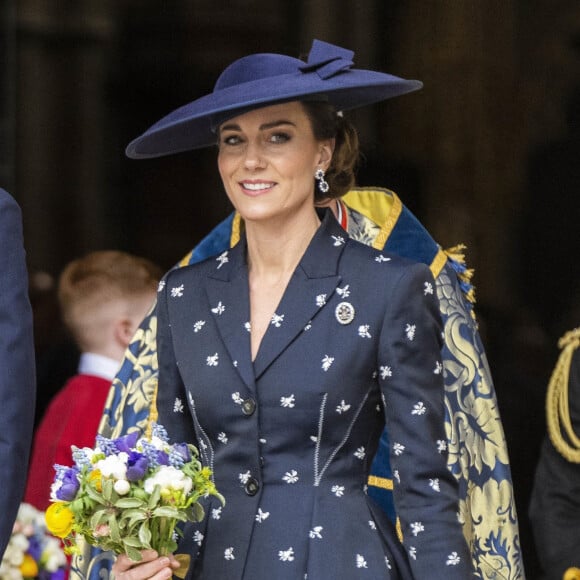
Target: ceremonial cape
477 449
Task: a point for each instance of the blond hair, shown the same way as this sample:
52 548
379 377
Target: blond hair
93 287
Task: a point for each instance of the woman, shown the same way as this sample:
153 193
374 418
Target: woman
282 359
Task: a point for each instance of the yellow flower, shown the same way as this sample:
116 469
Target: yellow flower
29 567
96 476
59 519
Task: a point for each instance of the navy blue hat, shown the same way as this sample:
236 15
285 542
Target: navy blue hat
260 80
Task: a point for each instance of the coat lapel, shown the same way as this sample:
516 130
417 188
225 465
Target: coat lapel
308 291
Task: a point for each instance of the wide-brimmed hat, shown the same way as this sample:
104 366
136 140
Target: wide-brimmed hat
260 80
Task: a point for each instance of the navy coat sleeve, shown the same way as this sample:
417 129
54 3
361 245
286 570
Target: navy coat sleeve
17 371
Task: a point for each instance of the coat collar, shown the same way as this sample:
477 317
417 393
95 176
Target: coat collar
310 287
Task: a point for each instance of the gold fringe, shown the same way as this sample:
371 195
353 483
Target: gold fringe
557 403
153 413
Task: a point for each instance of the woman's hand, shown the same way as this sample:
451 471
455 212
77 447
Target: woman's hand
150 567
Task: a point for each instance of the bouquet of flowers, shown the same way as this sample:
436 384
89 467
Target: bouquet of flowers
32 552
128 494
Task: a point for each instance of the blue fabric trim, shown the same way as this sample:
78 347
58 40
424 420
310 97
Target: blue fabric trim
216 242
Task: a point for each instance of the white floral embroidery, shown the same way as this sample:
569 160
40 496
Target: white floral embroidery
321 300
248 326
229 554
287 401
286 555
261 516
219 309
388 563
244 477
397 476
419 408
417 528
434 483
216 513
161 286
441 445
343 407
277 320
398 448
385 371
372 525
177 291
361 562
343 292
308 326
198 325
313 438
338 240
453 559
360 453
203 445
213 360
410 331
222 438
262 441
198 537
316 532
327 362
178 405
338 490
237 399
438 368
291 476
427 288
363 331
222 259
235 363
413 552
382 258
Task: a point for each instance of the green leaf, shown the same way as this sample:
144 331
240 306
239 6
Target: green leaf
167 512
133 542
155 496
107 489
134 554
95 495
145 534
197 512
98 517
129 502
114 526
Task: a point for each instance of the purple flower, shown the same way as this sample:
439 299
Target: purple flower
69 485
34 548
179 455
127 443
137 465
162 458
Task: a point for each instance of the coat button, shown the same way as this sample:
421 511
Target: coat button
252 486
248 407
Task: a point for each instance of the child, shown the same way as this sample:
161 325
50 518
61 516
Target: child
103 298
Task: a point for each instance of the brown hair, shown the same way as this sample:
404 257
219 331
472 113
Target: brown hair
328 124
88 284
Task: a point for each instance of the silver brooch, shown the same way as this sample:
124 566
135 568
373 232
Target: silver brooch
344 313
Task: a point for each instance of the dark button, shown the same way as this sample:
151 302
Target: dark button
252 486
248 406
261 462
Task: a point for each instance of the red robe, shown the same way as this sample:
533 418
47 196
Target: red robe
72 418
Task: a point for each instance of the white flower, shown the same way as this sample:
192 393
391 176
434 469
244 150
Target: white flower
237 399
198 325
427 288
161 285
419 408
321 300
216 513
286 555
338 240
398 448
316 532
453 559
343 292
114 466
361 562
219 309
248 326
372 525
338 490
277 320
287 401
198 537
363 331
213 360
244 477
343 407
417 528
327 362
229 554
434 483
177 291
360 453
222 437
410 331
438 368
441 445
178 405
387 563
291 476
122 486
168 478
308 326
413 552
397 476
385 371
382 258
222 259
261 516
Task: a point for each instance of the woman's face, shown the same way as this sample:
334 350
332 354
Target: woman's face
267 160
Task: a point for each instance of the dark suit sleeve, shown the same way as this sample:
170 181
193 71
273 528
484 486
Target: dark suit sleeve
411 375
555 502
17 372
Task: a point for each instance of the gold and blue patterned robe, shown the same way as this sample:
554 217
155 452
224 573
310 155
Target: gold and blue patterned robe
477 449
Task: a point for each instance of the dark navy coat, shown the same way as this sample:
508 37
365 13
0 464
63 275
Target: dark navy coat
355 341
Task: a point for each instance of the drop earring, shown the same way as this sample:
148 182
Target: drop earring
322 183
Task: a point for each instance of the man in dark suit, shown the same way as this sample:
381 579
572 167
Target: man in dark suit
17 376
